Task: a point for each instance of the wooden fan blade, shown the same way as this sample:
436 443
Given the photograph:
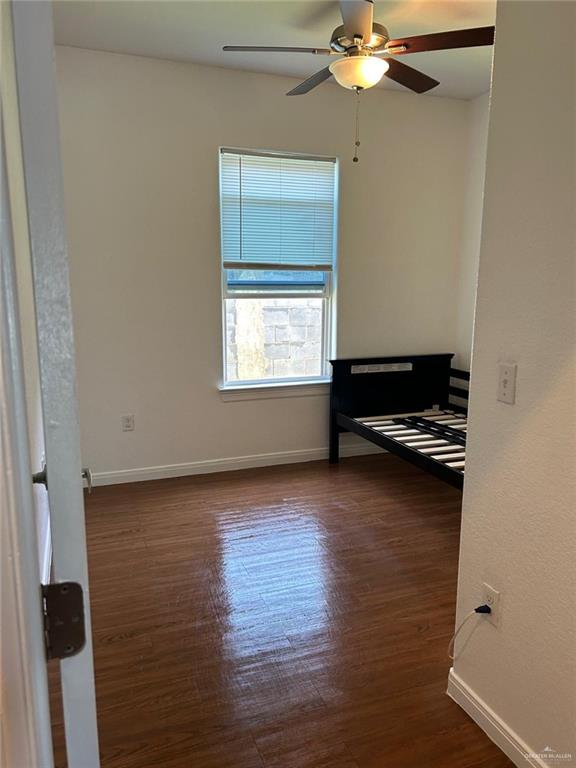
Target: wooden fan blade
410 77
277 49
357 16
312 82
441 41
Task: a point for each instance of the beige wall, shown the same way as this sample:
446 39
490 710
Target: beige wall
519 524
140 140
472 225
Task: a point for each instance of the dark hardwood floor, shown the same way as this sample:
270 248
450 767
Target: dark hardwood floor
287 617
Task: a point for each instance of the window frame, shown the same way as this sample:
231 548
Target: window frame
328 295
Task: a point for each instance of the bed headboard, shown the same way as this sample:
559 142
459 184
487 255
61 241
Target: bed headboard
373 386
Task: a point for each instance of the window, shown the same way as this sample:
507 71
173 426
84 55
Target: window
278 227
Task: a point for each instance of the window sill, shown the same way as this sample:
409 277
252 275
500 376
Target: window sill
276 390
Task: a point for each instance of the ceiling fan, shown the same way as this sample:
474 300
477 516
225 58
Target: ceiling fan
369 53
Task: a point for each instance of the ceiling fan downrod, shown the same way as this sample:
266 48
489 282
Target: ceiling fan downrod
355 159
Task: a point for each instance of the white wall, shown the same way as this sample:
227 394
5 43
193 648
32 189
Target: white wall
140 140
472 224
519 526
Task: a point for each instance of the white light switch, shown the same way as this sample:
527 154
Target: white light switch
507 382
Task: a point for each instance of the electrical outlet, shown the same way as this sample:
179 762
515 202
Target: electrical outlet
507 383
127 422
491 597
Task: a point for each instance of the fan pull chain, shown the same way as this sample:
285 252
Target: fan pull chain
357 132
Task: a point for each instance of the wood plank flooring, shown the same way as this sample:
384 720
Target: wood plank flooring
287 617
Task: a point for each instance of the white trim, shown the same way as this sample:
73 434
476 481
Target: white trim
46 564
24 703
493 726
277 153
273 390
228 464
40 137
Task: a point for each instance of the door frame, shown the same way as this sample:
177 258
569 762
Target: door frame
26 732
32 50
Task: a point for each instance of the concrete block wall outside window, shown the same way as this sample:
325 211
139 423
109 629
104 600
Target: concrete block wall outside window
274 338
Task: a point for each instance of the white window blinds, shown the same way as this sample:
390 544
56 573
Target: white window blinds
277 211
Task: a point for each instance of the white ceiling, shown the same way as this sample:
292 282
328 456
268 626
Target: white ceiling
196 30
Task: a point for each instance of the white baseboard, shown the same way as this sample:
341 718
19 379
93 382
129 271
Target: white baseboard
228 464
496 729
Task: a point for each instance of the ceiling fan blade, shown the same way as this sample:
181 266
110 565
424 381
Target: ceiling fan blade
410 77
277 49
312 82
357 16
442 41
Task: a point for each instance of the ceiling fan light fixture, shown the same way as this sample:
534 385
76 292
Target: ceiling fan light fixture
359 71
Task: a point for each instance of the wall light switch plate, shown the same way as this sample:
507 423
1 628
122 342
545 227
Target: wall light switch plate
507 382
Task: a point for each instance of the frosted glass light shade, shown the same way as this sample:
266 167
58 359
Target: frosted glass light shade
359 71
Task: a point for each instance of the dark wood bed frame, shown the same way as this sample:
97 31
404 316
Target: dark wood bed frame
374 386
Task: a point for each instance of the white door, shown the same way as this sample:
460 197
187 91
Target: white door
34 108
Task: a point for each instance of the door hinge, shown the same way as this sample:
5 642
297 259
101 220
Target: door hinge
41 477
64 631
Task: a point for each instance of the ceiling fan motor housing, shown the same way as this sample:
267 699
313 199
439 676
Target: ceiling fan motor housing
340 43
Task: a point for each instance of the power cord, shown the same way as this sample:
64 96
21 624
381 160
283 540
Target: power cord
480 609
